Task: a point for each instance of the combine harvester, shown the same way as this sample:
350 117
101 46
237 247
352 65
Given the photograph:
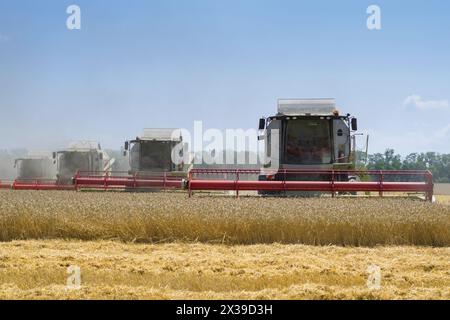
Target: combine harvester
151 166
33 171
85 156
310 150
80 155
315 154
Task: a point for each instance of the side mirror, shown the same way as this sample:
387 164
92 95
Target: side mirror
354 124
124 153
126 145
100 156
54 155
262 124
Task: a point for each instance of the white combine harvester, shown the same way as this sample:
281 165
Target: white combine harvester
151 165
152 151
310 150
36 165
81 156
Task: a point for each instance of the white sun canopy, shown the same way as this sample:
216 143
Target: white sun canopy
298 107
161 134
84 146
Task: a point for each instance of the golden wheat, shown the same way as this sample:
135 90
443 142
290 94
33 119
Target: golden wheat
167 217
443 199
113 270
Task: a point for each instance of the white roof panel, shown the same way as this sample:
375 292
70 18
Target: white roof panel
83 146
293 107
164 134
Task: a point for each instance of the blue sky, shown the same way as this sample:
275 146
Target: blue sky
137 64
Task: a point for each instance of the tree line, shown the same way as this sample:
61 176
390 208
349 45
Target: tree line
437 163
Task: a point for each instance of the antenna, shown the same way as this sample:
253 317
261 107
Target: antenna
367 149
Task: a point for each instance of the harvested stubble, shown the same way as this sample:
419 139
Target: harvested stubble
112 270
168 217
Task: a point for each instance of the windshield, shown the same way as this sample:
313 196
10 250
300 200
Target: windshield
156 155
308 141
70 162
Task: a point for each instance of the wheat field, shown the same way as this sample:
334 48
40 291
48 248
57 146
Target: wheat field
115 270
168 217
443 200
167 246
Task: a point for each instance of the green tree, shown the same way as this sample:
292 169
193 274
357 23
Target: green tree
385 161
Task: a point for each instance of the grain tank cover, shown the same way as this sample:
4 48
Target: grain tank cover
158 134
306 107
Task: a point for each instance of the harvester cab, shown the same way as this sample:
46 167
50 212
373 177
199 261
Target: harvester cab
152 151
81 156
311 134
